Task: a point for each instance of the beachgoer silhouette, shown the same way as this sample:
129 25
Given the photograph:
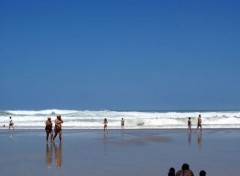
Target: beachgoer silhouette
122 124
105 122
189 124
11 123
199 124
48 128
58 128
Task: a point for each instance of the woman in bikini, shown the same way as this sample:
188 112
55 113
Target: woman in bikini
48 128
58 128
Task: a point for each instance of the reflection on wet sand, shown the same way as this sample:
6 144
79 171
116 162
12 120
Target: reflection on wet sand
49 153
189 138
58 154
57 150
200 140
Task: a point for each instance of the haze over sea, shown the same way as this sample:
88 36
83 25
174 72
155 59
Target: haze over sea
86 119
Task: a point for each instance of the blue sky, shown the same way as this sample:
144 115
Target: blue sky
120 55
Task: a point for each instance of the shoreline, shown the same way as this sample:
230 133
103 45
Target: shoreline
136 152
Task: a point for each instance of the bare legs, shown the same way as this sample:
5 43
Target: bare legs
59 134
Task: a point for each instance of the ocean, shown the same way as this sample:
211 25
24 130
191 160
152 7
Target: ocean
86 119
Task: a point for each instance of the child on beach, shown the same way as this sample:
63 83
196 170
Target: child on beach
58 128
11 123
48 128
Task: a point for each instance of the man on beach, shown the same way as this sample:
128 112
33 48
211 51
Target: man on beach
11 123
199 124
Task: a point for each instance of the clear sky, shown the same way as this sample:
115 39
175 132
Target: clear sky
120 54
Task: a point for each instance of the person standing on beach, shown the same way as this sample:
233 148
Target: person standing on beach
189 124
48 128
122 124
58 128
105 122
199 124
11 123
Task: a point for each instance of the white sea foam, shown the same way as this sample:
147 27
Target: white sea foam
74 119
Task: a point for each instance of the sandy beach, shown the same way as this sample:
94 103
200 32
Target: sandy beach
125 153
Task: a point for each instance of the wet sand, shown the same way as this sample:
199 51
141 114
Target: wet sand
125 153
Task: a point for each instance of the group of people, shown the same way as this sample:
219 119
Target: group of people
185 171
199 123
105 122
57 128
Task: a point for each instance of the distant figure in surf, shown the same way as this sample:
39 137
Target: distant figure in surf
122 124
189 124
11 123
199 123
58 128
48 128
105 122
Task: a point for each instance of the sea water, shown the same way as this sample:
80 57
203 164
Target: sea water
86 119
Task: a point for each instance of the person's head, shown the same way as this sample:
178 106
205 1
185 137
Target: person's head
172 170
49 118
199 115
202 173
59 117
122 118
10 117
189 118
185 166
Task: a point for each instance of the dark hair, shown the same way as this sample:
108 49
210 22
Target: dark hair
171 172
185 166
202 173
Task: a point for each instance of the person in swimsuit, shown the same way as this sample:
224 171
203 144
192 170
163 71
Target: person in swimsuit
58 128
105 122
11 123
122 124
48 128
199 124
189 124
